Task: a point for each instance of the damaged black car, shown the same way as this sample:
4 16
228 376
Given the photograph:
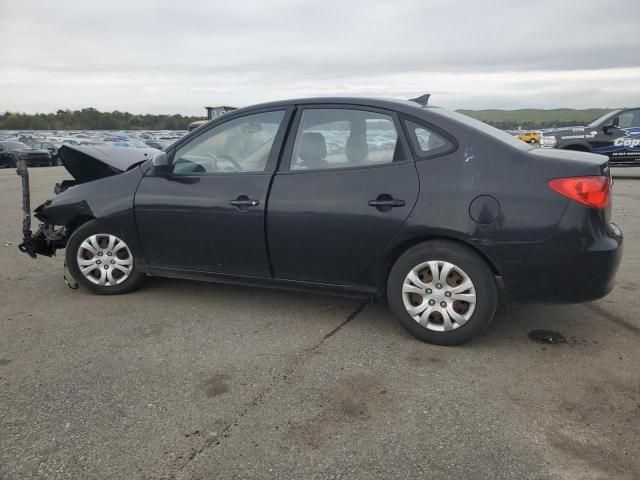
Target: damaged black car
430 210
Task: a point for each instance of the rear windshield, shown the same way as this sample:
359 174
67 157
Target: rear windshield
483 127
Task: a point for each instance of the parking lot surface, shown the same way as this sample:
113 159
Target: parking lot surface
189 380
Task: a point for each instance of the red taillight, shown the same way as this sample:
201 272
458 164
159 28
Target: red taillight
593 192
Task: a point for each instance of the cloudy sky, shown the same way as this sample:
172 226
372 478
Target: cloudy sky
168 56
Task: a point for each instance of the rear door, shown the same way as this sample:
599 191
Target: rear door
346 184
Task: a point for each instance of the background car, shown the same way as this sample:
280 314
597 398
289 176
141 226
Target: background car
50 146
615 134
11 152
530 137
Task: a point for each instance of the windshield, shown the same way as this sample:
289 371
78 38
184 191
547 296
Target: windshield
603 118
485 128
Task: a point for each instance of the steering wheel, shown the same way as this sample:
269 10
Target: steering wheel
231 160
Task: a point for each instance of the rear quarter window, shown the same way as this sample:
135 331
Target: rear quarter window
496 133
426 142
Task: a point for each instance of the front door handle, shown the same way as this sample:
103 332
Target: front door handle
385 202
243 203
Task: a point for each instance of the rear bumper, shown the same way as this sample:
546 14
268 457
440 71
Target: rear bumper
561 270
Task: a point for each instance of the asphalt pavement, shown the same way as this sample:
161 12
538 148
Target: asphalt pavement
191 380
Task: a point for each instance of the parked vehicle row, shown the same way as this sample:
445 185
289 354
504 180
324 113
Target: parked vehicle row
430 210
40 142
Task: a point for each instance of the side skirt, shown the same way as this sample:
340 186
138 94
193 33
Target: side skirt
354 291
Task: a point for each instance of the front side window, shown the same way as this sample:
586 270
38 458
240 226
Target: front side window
339 138
425 142
629 119
241 145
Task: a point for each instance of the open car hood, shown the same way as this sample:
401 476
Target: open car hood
86 163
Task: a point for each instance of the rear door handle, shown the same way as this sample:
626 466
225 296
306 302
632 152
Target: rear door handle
386 202
243 203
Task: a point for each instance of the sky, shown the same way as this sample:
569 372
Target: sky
161 56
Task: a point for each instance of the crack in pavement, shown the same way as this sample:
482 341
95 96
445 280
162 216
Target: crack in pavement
613 318
186 471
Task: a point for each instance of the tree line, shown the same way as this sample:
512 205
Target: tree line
92 119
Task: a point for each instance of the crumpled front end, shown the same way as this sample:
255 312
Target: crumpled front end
86 164
47 239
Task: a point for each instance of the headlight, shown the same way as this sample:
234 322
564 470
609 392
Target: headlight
547 141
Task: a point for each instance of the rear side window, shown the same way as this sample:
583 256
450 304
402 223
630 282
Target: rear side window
426 142
334 138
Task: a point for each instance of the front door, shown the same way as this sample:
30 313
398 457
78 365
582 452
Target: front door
207 214
345 186
621 143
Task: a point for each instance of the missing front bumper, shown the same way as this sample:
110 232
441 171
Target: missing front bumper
47 239
44 242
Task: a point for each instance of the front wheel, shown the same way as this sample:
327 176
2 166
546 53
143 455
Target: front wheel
101 261
442 292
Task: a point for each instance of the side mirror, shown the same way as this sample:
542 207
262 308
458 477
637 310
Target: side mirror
614 123
160 163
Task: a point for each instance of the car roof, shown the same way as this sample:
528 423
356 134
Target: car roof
388 103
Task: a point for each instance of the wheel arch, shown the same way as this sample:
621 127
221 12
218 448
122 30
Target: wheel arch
577 147
395 253
76 222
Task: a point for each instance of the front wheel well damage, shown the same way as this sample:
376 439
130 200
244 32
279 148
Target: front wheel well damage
76 222
398 250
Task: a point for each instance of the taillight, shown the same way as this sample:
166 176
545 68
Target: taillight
593 192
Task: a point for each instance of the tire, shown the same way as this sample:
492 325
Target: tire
467 315
11 161
89 244
532 140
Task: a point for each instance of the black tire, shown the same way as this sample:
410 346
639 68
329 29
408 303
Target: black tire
94 227
11 161
471 264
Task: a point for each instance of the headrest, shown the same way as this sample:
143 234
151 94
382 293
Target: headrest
312 146
356 148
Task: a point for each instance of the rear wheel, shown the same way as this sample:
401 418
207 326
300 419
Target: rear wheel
442 292
101 261
11 161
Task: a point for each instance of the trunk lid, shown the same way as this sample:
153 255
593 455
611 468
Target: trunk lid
575 162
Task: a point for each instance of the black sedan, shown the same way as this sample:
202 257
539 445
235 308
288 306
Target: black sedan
11 152
50 146
428 209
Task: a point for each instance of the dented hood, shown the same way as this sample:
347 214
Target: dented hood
87 163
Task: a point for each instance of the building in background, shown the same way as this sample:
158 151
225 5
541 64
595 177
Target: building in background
212 114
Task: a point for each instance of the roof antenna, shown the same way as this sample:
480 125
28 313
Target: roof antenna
422 100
